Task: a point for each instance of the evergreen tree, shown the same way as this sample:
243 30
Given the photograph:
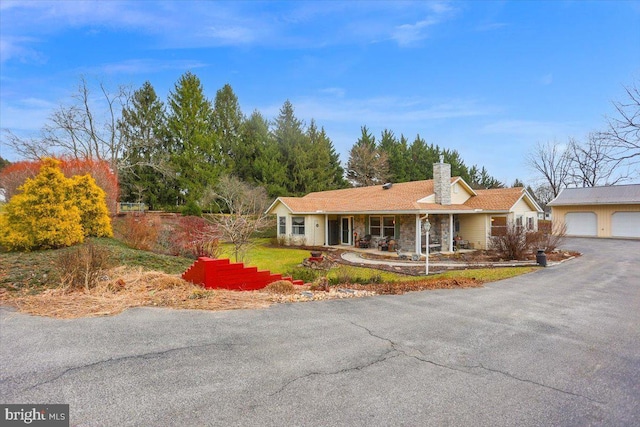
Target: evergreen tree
458 168
4 163
423 157
43 215
294 148
397 154
91 201
227 120
145 175
487 181
258 159
323 162
367 164
195 152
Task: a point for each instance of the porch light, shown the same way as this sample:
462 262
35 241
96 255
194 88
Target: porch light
427 227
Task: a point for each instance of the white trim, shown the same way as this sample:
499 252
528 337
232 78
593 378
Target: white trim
326 230
451 232
418 235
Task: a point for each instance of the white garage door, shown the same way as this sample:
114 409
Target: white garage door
581 224
625 224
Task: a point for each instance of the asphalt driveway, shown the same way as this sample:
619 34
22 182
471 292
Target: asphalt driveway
557 347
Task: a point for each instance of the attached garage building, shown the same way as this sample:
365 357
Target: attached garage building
611 211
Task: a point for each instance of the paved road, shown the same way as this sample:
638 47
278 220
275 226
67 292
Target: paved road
556 347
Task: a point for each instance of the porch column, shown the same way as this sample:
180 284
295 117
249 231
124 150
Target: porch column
450 232
418 235
326 230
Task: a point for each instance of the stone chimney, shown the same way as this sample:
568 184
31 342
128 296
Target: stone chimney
442 182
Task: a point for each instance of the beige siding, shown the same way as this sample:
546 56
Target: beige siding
473 227
314 229
459 194
280 210
523 209
603 213
313 235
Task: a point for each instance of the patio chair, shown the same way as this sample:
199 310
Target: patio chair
383 244
365 242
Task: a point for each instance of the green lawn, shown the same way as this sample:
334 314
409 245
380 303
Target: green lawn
286 260
39 268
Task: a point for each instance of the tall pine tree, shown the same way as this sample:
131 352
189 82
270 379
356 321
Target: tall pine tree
144 171
227 120
259 158
195 152
294 147
323 162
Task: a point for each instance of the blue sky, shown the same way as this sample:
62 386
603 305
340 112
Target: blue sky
487 78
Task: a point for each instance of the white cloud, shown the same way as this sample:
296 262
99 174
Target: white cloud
28 114
230 35
531 130
143 66
389 111
409 34
491 26
333 91
18 48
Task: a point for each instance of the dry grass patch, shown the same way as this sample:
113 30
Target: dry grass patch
280 287
419 285
126 287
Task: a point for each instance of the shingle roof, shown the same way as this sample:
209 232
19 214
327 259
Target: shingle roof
612 194
402 197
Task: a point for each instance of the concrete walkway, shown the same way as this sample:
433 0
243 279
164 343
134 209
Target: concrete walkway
357 258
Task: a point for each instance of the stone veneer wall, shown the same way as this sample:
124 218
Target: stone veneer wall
407 233
442 183
358 226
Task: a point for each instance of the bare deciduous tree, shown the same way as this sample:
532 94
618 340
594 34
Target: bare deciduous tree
29 148
87 128
623 134
592 163
553 162
543 194
242 212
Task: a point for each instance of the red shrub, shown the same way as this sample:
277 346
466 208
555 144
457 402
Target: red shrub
14 175
139 231
195 237
100 171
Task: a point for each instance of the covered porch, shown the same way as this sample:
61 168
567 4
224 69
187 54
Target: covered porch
407 233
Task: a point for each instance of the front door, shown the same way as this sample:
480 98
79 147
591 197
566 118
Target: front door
334 232
346 230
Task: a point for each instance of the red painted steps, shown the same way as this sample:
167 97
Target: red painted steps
223 274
